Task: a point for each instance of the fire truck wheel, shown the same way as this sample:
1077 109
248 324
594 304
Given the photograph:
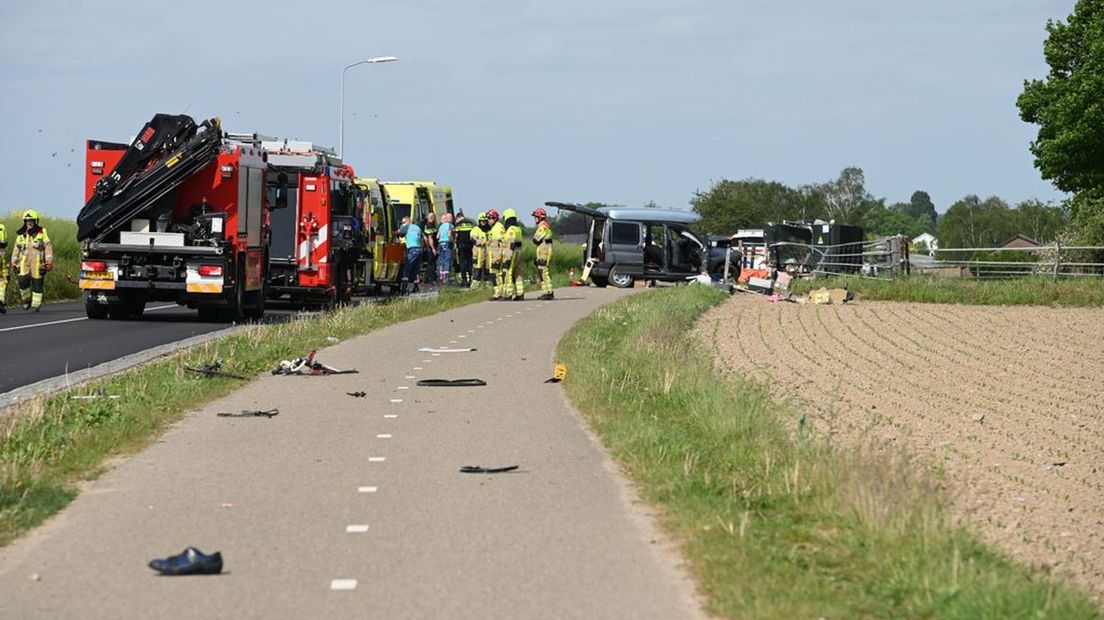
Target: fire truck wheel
94 310
235 312
207 314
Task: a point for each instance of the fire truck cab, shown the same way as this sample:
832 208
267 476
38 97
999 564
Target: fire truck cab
317 233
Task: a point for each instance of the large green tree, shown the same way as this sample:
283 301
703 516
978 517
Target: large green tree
730 205
846 198
881 221
976 223
1040 221
1068 107
920 207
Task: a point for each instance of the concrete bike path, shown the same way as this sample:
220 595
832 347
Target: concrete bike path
344 507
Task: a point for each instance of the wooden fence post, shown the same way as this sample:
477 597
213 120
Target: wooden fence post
1057 258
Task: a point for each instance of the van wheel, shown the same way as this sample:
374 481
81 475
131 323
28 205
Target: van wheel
620 280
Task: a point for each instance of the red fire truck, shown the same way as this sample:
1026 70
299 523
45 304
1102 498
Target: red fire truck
318 240
180 214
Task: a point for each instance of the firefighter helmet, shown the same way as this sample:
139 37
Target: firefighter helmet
540 213
492 214
509 213
482 215
30 214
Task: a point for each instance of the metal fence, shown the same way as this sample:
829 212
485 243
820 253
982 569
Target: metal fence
888 258
1053 261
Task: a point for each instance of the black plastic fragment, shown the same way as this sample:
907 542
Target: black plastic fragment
451 382
246 413
476 469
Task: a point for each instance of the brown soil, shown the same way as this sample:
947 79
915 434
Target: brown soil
1008 400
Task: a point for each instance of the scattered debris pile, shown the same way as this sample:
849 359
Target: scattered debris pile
308 366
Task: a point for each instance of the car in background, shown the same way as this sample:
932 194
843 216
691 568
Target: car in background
627 244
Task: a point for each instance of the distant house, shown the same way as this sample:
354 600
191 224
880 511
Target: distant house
1021 241
926 243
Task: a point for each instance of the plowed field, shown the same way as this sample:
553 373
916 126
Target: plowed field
1008 400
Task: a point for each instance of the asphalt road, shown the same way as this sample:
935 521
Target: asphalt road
60 339
343 507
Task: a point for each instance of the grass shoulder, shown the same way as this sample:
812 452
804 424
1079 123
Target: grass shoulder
1082 292
49 445
777 523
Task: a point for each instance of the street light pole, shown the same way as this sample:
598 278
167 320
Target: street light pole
341 124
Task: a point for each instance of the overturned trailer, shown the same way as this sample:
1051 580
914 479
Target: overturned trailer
179 215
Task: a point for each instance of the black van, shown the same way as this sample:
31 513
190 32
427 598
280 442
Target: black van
626 243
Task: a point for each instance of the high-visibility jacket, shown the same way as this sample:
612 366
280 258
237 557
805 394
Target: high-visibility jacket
542 238
32 252
543 233
512 243
496 240
479 237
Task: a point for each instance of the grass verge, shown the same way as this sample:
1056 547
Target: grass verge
778 524
926 289
52 444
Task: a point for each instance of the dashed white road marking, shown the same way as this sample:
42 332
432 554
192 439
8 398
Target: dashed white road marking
462 336
367 489
404 387
383 436
435 355
471 331
79 318
356 529
343 584
396 400
409 377
425 362
377 459
450 342
390 416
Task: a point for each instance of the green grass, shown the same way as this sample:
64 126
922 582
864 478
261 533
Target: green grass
564 258
927 289
63 236
52 444
776 522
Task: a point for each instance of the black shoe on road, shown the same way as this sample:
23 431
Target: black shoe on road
519 298
191 561
26 305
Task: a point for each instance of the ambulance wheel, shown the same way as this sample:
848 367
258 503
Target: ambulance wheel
95 311
620 280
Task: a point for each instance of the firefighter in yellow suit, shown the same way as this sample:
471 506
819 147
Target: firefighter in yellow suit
495 238
542 239
32 258
3 270
511 259
479 251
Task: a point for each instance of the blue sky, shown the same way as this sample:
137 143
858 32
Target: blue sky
518 102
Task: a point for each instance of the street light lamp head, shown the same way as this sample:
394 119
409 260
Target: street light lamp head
341 126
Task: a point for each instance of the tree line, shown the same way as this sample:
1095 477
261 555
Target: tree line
970 222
